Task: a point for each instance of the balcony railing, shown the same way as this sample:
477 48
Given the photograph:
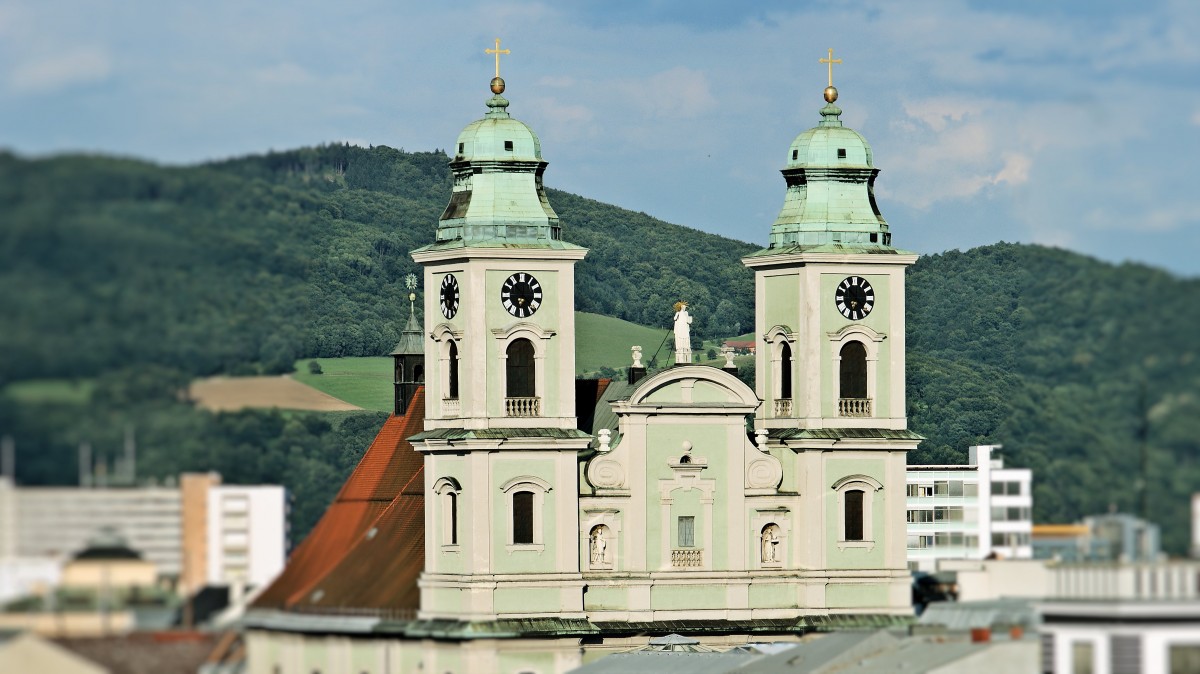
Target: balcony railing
687 557
451 407
854 407
783 407
523 407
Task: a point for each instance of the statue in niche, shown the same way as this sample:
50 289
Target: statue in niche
770 543
599 544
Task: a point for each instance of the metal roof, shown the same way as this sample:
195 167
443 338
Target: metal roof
412 342
499 434
843 433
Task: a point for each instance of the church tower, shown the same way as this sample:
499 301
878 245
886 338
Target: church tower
501 441
829 324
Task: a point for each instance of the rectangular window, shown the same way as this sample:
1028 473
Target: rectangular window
1081 657
1185 658
956 487
1013 488
841 153
971 541
971 489
854 515
687 532
998 540
998 489
508 146
954 513
941 539
453 503
912 490
941 488
523 517
999 514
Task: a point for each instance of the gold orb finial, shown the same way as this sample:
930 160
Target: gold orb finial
830 94
497 86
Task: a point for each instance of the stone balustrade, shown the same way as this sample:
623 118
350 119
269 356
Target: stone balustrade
687 557
523 407
854 407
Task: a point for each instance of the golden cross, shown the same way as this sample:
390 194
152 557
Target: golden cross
498 51
829 60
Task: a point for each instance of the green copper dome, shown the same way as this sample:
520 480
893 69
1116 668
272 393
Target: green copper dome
498 196
830 198
498 137
819 145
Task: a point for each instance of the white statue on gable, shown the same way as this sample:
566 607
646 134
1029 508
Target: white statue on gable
770 540
599 545
637 356
683 334
727 353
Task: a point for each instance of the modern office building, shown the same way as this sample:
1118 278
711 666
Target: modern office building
199 532
969 511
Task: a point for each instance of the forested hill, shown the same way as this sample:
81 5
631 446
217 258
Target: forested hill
248 264
254 262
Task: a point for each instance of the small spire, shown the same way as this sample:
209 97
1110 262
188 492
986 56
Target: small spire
830 112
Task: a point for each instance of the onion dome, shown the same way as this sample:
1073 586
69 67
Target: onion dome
830 198
498 196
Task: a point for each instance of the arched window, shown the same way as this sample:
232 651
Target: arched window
854 515
854 370
453 370
520 370
452 507
418 372
522 513
785 371
856 500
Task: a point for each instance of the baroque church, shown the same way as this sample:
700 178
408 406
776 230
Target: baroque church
511 518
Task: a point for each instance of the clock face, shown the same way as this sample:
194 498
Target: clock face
855 297
521 295
449 296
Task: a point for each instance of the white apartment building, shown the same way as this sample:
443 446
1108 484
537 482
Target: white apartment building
241 534
969 511
247 534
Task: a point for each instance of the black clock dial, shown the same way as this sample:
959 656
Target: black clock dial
521 295
855 298
449 296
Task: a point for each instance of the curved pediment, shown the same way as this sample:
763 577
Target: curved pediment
693 385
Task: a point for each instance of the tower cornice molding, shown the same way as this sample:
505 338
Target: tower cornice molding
533 251
766 259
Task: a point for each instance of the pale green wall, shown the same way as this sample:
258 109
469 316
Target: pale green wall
522 561
773 596
675 597
606 598
832 321
455 467
547 316
526 599
847 595
664 445
855 557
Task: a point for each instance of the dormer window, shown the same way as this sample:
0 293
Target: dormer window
460 148
795 155
841 153
508 146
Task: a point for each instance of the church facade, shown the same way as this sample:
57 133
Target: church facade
685 497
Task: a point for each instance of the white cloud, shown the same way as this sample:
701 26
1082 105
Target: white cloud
80 65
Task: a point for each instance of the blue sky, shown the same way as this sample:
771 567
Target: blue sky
1074 124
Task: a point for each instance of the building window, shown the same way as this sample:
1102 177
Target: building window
785 371
460 148
522 513
453 371
1185 658
452 506
520 369
841 153
1081 657
448 489
508 146
687 531
854 515
855 495
854 370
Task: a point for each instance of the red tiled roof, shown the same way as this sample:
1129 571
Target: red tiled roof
385 492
